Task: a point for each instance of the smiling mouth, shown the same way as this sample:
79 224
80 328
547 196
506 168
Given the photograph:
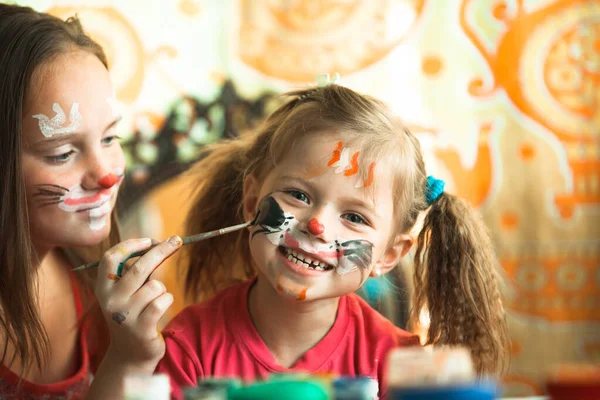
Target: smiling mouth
302 260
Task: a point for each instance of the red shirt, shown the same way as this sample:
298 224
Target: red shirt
73 388
218 339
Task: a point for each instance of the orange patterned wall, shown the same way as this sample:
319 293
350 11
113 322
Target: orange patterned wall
504 94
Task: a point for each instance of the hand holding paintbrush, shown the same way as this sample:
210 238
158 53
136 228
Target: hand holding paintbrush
269 214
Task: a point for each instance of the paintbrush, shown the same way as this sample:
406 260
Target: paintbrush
186 240
269 214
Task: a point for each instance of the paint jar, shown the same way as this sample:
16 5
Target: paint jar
147 387
355 388
574 381
282 389
485 390
429 366
434 374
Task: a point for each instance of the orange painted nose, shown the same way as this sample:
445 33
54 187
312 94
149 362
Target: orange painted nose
315 227
108 181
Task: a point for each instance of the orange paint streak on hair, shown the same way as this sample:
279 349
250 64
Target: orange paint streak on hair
336 154
353 170
371 175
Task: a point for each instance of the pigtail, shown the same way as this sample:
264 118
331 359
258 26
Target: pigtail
457 282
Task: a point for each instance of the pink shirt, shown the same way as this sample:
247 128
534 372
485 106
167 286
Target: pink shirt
218 339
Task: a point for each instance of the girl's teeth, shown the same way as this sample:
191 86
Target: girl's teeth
305 261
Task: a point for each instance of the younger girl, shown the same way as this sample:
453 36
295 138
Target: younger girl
61 166
338 183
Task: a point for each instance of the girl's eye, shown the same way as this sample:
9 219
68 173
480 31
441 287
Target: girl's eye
61 158
298 195
354 218
109 140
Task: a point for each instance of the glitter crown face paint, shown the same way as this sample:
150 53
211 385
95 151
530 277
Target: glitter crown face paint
55 125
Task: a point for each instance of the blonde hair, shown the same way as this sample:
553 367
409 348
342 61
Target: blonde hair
455 277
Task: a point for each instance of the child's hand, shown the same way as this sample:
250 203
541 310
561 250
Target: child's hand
133 304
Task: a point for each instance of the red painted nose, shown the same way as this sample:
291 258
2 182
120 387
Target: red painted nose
108 181
315 227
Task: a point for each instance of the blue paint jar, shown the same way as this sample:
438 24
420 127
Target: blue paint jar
355 388
485 390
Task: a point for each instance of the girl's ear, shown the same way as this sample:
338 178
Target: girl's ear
393 254
251 192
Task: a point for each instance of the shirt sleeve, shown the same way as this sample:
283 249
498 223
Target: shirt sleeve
181 365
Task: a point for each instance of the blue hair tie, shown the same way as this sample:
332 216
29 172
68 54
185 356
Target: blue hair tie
435 187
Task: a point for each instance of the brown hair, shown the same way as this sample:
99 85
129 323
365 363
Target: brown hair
28 41
455 276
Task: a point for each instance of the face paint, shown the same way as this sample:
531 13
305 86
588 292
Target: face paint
78 199
343 163
370 177
54 126
108 181
113 277
300 294
315 227
282 229
119 317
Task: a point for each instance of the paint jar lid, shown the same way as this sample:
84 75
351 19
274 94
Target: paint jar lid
147 387
355 388
429 366
281 389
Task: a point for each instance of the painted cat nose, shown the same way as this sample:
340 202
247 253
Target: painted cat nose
315 227
108 181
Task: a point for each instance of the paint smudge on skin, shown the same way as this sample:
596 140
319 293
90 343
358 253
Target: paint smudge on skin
54 126
282 229
302 295
313 173
113 277
119 317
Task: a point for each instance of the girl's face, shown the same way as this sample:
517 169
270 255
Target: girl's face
72 162
336 227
